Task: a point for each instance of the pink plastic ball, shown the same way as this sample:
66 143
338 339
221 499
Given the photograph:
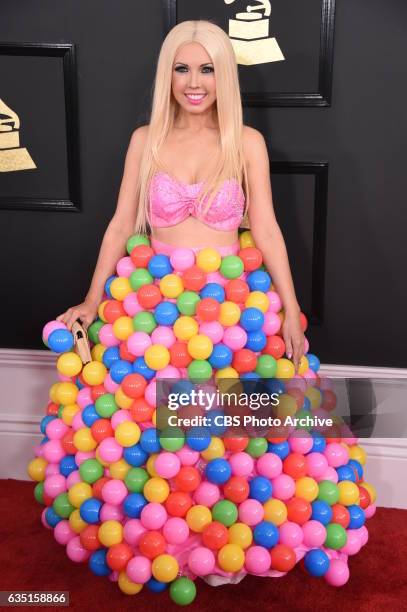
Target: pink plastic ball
291 534
84 397
241 464
201 561
109 512
77 422
370 511
56 429
336 454
75 551
153 516
81 456
251 512
114 492
338 573
329 474
275 303
206 494
163 335
317 464
52 469
283 487
73 478
364 535
109 384
138 569
182 258
63 532
257 560
131 304
138 342
213 329
120 416
53 451
110 450
150 393
314 534
125 267
169 371
107 337
216 277
301 442
54 485
49 328
269 465
167 465
187 455
272 323
176 530
235 337
353 543
132 531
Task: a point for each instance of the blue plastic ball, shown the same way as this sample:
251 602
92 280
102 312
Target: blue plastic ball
218 471
321 511
98 563
313 362
45 420
256 340
345 472
120 369
159 265
251 319
319 444
52 517
221 356
156 586
215 420
166 313
135 455
149 441
198 438
316 562
353 463
67 465
89 415
140 367
110 356
357 516
133 504
90 510
266 534
282 449
259 280
260 488
213 290
107 285
60 340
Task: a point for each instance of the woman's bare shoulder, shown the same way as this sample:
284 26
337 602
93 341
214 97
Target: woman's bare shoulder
253 141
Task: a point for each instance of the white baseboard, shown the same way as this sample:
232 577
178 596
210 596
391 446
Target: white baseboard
26 376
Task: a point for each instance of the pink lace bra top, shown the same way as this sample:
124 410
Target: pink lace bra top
172 201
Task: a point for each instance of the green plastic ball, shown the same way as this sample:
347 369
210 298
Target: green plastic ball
231 266
93 331
182 591
266 366
105 405
257 447
91 470
144 321
328 492
135 479
172 438
225 512
199 370
62 505
140 277
302 414
136 240
39 492
336 536
187 302
60 409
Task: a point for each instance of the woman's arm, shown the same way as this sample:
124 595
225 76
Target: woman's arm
121 226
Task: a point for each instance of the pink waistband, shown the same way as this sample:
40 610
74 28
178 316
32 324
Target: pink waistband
167 249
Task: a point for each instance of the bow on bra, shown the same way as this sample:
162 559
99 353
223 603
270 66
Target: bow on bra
172 201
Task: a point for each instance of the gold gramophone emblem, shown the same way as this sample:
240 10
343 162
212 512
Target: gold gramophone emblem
249 35
12 156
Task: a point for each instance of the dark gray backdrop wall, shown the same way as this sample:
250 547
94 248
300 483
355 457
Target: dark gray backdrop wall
48 257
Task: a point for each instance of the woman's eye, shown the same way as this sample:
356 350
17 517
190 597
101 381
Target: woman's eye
183 68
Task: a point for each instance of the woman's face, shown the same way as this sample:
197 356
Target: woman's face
193 73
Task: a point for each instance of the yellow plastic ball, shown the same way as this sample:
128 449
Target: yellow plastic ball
69 364
215 449
110 533
315 397
348 493
127 586
150 465
101 308
198 517
306 488
127 433
76 522
157 356
227 372
358 453
53 392
120 287
185 327
119 469
241 535
94 373
285 368
171 285
97 352
122 400
371 490
275 511
303 365
156 490
83 440
66 393
231 558
154 418
200 346
229 313
36 469
287 406
208 260
246 240
165 568
123 327
257 299
68 413
78 493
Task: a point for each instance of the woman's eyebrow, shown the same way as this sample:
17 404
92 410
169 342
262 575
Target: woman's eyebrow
206 64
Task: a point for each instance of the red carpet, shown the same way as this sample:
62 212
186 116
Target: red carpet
30 559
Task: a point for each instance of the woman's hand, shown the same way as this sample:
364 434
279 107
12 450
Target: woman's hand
86 311
294 338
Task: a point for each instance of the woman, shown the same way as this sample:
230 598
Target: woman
190 177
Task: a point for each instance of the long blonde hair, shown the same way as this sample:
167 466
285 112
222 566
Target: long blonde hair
231 163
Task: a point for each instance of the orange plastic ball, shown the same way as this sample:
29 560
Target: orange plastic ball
236 443
237 290
194 278
283 558
215 535
101 429
340 515
244 360
178 503
252 258
179 356
236 489
141 411
134 385
187 479
208 309
151 544
295 465
298 510
113 310
89 537
149 296
141 255
275 346
118 556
